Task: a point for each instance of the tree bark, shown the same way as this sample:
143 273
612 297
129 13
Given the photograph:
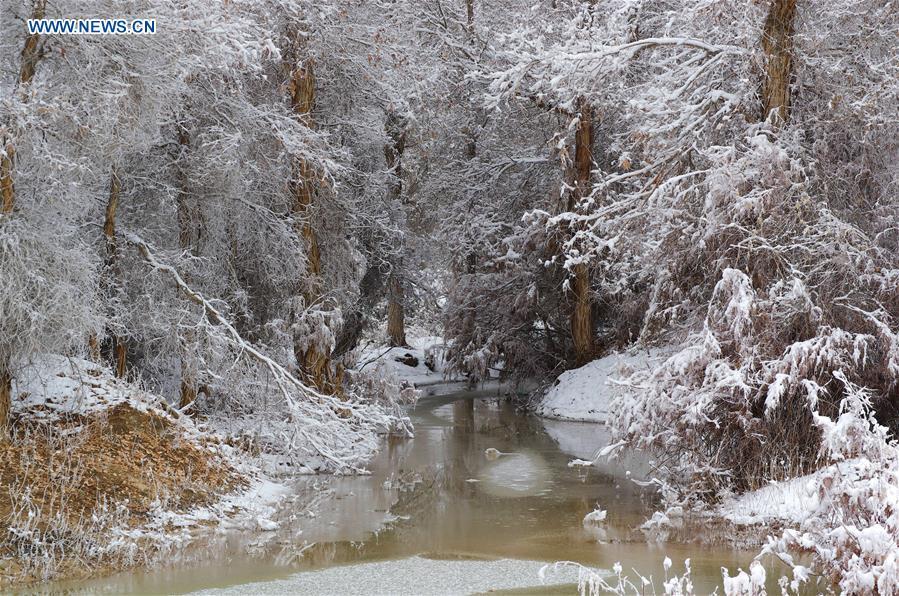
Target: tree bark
188 241
109 221
396 329
30 56
186 215
777 43
315 365
583 154
5 398
371 290
7 188
395 127
31 50
119 346
188 379
302 97
582 311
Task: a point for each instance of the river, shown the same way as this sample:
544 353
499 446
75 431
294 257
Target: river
438 514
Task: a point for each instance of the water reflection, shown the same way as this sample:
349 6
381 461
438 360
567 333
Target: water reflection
516 475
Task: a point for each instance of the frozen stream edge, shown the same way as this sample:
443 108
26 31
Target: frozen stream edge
414 575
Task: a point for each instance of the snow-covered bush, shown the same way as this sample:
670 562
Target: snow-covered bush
48 299
853 535
788 309
48 542
593 583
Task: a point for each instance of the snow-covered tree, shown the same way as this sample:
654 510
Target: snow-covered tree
721 213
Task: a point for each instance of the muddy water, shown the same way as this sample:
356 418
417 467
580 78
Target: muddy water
441 515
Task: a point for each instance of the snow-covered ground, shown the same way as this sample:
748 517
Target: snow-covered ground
56 385
418 365
584 393
248 509
791 501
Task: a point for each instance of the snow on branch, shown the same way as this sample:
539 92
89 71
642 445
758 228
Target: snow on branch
566 71
632 48
343 432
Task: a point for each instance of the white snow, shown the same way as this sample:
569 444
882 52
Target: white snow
745 584
383 359
597 517
259 501
791 501
583 394
55 385
413 576
267 525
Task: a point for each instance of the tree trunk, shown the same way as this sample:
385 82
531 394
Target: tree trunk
316 366
30 56
583 155
188 376
396 330
31 52
188 241
777 43
182 196
112 206
371 290
471 132
582 312
120 350
7 188
93 348
302 96
119 346
582 315
5 398
395 127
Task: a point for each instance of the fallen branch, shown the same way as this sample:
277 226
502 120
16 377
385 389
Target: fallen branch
278 372
318 410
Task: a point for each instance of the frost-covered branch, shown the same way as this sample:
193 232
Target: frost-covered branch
341 431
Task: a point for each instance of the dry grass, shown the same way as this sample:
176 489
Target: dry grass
68 485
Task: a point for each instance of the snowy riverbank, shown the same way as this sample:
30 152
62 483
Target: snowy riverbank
417 365
584 394
103 475
842 516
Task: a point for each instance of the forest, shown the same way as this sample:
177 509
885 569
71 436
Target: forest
626 271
